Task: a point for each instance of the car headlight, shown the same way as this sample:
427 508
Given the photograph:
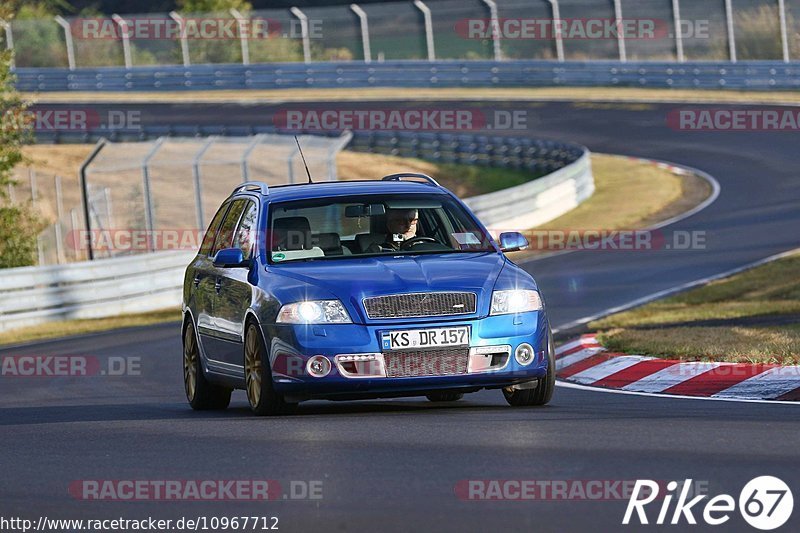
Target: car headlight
515 301
314 312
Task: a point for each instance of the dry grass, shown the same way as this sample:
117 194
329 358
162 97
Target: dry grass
626 94
652 194
752 316
53 330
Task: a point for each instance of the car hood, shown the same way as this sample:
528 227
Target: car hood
352 280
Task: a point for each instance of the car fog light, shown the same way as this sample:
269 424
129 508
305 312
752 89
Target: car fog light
318 366
524 354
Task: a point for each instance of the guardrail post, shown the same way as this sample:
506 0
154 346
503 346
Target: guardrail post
676 17
198 187
245 166
495 22
623 51
85 194
426 14
126 39
240 22
559 37
149 217
362 17
68 40
784 31
731 31
9 40
182 36
303 33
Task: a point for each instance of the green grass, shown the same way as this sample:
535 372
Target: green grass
750 317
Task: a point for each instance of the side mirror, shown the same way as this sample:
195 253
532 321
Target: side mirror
230 258
513 241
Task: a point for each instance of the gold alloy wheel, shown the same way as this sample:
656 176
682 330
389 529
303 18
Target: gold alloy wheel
252 367
190 363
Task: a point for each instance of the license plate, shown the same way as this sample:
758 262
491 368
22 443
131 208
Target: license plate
413 339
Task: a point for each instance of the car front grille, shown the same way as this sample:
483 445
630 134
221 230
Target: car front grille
424 304
442 362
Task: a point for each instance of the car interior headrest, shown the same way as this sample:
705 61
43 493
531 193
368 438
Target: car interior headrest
292 233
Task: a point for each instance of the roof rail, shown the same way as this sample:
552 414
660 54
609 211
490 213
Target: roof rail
400 176
250 185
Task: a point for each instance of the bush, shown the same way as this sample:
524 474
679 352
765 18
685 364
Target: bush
19 228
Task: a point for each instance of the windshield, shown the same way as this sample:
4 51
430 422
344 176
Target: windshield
370 225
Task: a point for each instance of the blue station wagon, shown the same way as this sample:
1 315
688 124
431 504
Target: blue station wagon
359 289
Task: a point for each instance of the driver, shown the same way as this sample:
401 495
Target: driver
401 225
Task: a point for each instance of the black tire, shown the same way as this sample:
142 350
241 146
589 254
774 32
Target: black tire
258 377
201 394
545 386
444 396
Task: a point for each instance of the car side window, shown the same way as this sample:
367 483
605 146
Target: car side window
246 232
226 230
211 233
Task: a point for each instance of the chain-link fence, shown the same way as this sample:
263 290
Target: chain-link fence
141 193
680 30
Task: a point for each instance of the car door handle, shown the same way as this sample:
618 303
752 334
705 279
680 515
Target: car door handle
218 285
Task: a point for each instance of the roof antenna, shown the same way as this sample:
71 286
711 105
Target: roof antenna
304 160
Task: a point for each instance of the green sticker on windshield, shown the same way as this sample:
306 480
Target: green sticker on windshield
278 257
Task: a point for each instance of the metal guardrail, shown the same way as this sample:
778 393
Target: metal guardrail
767 75
92 289
146 282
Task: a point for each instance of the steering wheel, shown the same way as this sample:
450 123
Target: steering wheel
410 243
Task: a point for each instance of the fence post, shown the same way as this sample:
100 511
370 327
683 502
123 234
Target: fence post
34 191
290 160
244 163
303 33
623 51
12 195
85 193
68 40
149 217
676 17
362 17
559 37
126 39
426 13
240 22
109 208
40 249
182 36
731 31
198 187
784 31
73 218
57 225
334 149
9 40
495 22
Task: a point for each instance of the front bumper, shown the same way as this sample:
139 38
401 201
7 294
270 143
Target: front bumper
291 347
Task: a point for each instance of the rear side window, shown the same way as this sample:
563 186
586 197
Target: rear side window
211 233
246 232
226 230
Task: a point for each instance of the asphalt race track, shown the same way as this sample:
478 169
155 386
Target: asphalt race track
399 465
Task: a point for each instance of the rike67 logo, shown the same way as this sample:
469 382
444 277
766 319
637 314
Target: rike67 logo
765 503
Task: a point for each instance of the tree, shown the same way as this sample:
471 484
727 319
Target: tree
19 226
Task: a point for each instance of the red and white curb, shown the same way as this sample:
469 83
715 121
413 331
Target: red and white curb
586 362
